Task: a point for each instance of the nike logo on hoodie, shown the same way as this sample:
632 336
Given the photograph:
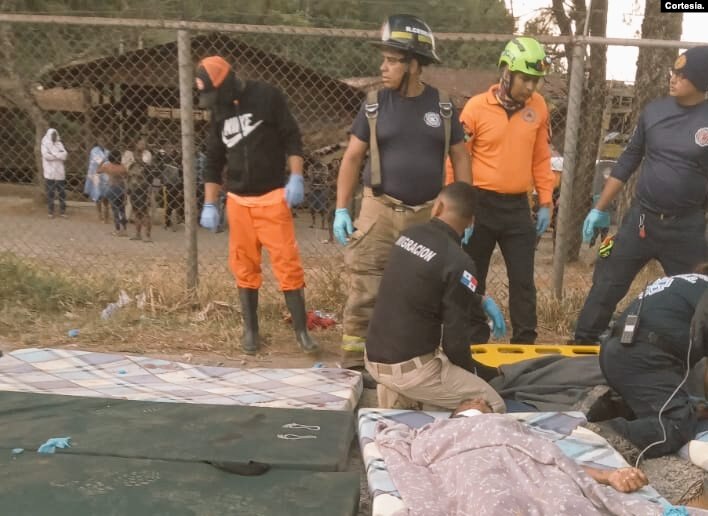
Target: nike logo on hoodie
237 128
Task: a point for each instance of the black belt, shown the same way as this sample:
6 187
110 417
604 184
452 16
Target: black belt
500 195
661 215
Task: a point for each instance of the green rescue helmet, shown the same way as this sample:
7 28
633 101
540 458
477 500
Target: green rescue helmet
525 55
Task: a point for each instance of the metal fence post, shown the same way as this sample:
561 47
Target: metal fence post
186 80
570 155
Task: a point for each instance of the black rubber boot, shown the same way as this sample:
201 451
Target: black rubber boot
295 301
250 341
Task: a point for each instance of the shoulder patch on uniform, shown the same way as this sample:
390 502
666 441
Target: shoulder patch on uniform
469 281
702 137
528 115
432 119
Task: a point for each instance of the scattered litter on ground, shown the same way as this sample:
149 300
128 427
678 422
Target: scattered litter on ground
112 308
55 442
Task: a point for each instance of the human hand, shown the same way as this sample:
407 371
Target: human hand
342 226
543 220
469 230
494 313
295 190
596 219
210 217
627 480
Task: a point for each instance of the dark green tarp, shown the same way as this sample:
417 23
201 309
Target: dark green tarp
177 431
79 485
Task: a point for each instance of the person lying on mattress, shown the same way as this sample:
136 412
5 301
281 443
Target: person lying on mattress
498 465
417 346
625 480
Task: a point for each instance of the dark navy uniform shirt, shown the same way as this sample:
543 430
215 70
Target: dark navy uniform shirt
673 140
411 138
428 293
668 307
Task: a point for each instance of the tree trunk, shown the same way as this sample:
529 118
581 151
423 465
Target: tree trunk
594 95
651 80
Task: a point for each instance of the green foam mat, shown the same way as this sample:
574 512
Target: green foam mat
178 431
32 484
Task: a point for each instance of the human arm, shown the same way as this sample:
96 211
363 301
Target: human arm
631 157
214 166
543 178
627 163
624 480
348 175
112 169
460 159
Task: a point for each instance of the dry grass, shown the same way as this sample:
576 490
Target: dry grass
39 305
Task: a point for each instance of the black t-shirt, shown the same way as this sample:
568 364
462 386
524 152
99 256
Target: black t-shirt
411 140
673 142
427 292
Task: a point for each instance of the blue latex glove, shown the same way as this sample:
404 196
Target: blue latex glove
342 226
210 217
543 220
295 190
55 442
596 219
493 312
469 230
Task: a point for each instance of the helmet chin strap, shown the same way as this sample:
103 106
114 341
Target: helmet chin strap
406 79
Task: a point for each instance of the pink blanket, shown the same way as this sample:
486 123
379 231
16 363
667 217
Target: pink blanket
490 465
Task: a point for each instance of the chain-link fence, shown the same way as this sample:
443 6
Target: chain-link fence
111 92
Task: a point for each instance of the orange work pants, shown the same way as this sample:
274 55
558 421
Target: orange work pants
255 222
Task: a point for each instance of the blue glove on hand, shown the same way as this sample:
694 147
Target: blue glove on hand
295 190
342 226
210 217
543 220
493 312
596 219
469 230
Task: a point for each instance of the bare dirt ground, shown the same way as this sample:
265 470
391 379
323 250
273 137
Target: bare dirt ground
83 245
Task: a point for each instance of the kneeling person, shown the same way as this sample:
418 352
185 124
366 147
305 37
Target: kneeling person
426 299
648 365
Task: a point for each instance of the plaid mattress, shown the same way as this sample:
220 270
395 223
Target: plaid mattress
105 375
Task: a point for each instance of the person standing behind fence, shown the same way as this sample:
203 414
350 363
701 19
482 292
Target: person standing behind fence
507 134
408 128
138 164
666 221
116 191
96 184
53 157
253 134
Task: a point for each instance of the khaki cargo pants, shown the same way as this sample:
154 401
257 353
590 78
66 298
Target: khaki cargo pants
380 222
431 380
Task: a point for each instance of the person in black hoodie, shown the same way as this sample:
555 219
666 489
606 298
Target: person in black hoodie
253 134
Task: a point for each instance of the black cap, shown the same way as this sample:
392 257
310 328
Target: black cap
693 65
